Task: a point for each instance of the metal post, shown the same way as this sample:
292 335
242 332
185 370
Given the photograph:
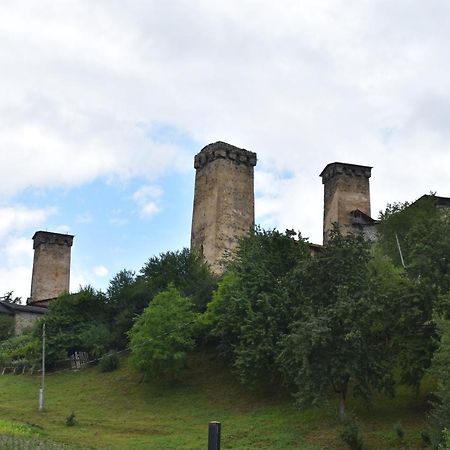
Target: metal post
214 436
42 389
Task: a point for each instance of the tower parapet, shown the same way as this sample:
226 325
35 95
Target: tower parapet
51 266
222 150
346 191
224 201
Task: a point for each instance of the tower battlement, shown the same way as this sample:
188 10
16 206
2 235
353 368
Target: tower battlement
47 237
222 150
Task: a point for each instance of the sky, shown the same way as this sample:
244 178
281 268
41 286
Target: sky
104 104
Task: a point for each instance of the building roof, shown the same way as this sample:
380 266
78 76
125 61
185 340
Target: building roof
357 167
440 201
361 218
12 308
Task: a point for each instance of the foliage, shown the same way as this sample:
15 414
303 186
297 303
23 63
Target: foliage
25 347
423 230
129 294
440 370
445 440
186 270
70 420
342 333
77 322
351 434
6 326
251 309
109 362
163 334
399 431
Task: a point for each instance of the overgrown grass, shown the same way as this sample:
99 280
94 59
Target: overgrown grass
116 411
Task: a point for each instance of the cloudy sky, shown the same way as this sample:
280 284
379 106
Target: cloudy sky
104 104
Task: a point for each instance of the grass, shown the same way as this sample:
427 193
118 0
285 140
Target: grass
116 411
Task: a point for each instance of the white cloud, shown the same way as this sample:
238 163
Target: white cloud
146 197
16 218
100 271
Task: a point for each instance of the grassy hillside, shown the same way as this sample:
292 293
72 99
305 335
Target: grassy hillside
116 411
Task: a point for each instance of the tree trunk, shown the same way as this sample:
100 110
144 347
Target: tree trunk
342 406
342 400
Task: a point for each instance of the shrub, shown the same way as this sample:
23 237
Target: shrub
6 326
399 431
70 420
163 334
109 362
351 435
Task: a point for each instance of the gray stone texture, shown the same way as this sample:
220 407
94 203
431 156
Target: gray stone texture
24 320
224 201
51 266
346 189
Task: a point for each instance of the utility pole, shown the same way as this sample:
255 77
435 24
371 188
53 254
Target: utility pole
41 390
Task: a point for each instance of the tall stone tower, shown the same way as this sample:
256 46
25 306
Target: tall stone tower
346 197
224 200
51 266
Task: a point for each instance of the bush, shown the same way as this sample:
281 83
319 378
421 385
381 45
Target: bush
6 327
109 362
399 431
351 434
163 334
70 420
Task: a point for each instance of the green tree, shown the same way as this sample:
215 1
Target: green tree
252 308
77 322
127 296
440 371
6 326
186 270
341 335
163 334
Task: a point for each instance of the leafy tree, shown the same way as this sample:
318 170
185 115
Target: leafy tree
423 231
6 326
186 270
127 297
342 330
252 308
77 322
163 334
440 370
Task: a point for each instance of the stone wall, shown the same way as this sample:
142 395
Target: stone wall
24 320
224 205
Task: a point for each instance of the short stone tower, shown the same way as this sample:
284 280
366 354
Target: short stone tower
51 266
346 197
224 200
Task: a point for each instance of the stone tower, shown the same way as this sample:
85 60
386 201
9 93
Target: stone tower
346 197
224 200
51 266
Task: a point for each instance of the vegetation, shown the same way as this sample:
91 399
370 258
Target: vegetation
6 327
163 334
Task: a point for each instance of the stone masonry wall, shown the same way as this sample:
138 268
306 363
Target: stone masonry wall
24 320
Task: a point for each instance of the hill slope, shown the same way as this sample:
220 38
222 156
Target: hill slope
116 411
